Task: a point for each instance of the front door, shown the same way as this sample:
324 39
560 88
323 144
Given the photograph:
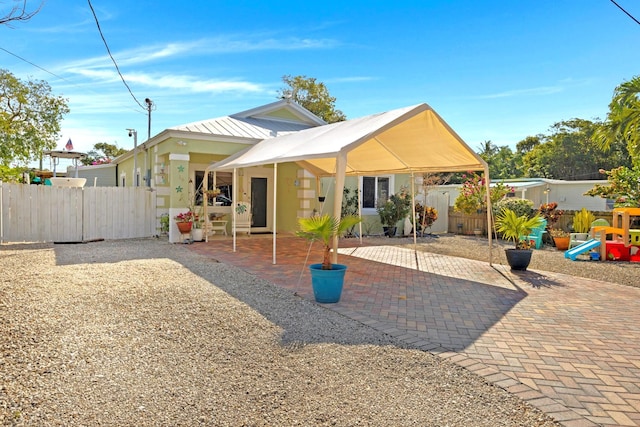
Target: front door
259 186
259 202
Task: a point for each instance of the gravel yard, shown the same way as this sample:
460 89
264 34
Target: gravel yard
146 333
548 258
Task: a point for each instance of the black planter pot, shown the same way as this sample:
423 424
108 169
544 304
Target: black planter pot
518 259
389 231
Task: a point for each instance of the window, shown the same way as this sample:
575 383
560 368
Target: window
375 189
223 180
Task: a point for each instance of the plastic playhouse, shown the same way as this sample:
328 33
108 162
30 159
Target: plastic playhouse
624 243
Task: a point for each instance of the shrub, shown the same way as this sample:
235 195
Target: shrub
521 207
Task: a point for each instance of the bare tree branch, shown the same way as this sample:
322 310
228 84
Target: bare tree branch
18 12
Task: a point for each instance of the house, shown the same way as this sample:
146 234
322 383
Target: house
173 162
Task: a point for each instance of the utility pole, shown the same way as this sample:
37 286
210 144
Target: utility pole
150 106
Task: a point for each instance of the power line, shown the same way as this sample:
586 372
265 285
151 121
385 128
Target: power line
54 74
627 13
111 56
35 65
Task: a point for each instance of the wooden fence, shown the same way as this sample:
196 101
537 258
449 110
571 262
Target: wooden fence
42 213
461 223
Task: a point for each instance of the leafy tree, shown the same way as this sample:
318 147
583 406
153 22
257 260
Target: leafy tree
30 118
569 152
528 144
503 163
102 153
312 95
623 120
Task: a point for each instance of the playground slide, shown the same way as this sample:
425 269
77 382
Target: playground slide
585 247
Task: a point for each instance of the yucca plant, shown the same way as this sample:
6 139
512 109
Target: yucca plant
325 228
513 226
582 221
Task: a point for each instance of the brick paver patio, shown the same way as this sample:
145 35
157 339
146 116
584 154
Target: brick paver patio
567 345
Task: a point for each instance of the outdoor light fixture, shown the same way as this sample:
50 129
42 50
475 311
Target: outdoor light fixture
134 133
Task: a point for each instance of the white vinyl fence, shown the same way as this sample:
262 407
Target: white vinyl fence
42 213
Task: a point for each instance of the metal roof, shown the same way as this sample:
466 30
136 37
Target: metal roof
257 123
243 127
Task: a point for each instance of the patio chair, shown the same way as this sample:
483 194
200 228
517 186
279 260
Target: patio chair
243 218
536 235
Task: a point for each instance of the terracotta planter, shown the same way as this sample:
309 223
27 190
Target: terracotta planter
184 227
562 243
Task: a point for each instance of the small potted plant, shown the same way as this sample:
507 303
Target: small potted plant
516 228
184 221
327 279
560 238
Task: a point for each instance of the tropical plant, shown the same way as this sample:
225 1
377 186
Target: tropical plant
623 119
622 187
513 226
582 221
425 215
395 208
473 194
325 228
550 212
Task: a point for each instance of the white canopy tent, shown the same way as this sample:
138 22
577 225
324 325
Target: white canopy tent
410 140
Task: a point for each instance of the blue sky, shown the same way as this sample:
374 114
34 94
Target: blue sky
494 70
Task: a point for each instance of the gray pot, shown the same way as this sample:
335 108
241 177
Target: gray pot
518 259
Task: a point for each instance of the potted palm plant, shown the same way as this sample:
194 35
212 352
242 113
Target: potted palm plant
327 279
515 228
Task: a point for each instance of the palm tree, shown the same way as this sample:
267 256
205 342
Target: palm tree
623 119
325 228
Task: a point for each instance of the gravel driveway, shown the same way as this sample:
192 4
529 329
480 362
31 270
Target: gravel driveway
146 333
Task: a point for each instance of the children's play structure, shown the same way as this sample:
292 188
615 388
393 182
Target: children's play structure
623 244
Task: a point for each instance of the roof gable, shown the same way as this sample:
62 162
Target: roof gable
275 119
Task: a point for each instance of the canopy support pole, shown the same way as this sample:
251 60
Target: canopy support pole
360 208
234 198
205 201
341 170
413 210
275 201
488 189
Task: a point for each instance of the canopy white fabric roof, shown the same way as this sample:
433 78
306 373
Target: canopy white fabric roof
410 139
407 140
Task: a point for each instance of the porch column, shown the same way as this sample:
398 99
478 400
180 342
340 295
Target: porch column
178 171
